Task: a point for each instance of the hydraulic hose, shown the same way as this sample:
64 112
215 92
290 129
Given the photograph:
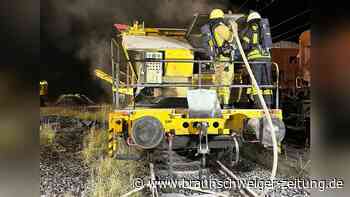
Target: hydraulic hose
263 103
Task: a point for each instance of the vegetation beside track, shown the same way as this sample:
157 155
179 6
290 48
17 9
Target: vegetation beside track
108 177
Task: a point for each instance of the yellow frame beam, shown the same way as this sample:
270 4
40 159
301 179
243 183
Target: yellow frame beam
175 122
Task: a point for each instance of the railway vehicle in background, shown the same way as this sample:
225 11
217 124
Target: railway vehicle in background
295 88
303 88
174 105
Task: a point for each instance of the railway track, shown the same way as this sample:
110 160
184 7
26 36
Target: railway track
245 190
186 177
184 167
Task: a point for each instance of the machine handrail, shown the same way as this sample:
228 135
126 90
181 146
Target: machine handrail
129 61
136 85
277 83
194 61
157 85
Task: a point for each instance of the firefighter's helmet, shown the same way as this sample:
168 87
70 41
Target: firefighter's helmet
216 13
252 16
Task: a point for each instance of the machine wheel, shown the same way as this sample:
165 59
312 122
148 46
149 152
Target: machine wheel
234 155
147 132
231 153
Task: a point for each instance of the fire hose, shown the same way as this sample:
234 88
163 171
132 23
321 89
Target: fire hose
262 101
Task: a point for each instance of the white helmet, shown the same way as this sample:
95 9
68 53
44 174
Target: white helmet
253 15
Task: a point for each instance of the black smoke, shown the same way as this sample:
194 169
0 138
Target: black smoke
75 36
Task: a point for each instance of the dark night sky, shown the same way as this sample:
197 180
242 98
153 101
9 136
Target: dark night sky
66 30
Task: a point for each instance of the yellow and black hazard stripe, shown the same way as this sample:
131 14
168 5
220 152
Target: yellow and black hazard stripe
112 145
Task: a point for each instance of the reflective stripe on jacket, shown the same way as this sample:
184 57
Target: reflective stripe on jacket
254 91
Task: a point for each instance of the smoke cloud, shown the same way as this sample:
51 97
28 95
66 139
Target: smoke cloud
83 27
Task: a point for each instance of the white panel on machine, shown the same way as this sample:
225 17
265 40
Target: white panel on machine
154 70
203 103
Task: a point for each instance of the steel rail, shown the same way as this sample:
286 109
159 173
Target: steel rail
153 178
229 172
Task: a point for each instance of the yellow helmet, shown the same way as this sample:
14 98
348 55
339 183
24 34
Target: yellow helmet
43 82
216 13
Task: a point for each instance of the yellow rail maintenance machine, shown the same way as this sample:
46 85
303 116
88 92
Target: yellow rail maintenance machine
174 104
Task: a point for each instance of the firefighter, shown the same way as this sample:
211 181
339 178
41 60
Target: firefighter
253 48
223 40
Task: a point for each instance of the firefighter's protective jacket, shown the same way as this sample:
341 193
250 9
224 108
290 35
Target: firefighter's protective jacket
251 43
252 46
222 34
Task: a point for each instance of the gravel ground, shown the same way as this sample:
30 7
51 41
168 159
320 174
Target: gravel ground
62 171
252 171
246 170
